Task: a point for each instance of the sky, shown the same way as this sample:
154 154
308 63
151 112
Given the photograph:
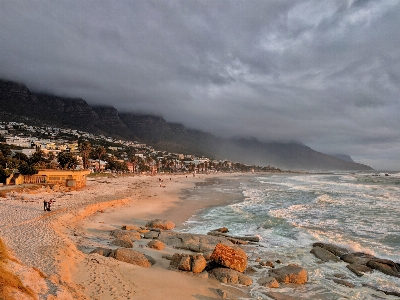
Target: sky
324 73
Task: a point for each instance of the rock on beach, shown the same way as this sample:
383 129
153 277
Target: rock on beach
226 275
230 257
132 257
324 254
290 274
161 224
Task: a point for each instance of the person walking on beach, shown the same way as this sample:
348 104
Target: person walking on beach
45 204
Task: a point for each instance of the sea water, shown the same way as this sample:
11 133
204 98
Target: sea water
360 212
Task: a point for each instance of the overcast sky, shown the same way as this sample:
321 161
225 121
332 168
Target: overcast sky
323 73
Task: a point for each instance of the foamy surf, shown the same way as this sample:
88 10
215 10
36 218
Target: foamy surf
291 212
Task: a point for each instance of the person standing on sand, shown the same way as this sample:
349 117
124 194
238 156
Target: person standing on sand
45 204
49 205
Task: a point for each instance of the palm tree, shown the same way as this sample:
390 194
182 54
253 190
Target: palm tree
134 160
85 148
99 153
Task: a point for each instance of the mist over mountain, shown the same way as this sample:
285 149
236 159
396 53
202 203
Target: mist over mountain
17 103
343 157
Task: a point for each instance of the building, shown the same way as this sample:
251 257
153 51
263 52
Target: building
74 179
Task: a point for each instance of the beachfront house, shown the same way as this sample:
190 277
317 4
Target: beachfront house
74 179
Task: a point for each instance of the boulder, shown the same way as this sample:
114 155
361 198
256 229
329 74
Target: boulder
185 264
391 292
225 275
156 245
161 224
200 243
189 263
267 264
118 233
336 250
324 254
130 227
222 230
132 257
151 234
343 282
290 274
198 263
279 296
270 282
167 256
175 260
123 242
385 266
357 258
231 257
235 239
102 251
358 269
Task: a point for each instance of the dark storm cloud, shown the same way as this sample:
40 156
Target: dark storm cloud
324 73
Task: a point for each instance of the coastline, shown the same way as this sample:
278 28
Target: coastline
57 242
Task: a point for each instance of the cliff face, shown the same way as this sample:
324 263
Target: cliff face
17 100
109 116
17 103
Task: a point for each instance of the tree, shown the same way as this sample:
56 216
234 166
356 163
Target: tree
67 160
116 165
27 169
134 160
37 158
85 148
99 152
21 157
4 174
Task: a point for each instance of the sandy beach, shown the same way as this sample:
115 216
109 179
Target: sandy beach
52 247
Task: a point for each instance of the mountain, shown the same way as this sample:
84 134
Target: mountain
18 104
292 156
343 157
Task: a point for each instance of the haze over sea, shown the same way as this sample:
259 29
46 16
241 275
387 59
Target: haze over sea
360 212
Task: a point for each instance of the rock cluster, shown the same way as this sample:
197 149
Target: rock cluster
216 254
358 262
189 263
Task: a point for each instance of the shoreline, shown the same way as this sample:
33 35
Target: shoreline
52 242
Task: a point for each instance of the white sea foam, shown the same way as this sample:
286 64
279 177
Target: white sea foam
359 212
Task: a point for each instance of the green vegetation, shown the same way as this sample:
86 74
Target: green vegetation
67 160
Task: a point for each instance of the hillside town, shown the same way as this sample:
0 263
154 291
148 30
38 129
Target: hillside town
26 149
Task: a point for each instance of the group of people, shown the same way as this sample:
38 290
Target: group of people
47 204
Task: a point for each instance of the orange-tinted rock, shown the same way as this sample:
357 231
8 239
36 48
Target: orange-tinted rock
161 224
132 257
230 257
184 264
123 242
156 245
225 275
290 274
268 282
199 263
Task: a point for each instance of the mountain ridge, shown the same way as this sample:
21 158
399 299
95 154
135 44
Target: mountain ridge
18 103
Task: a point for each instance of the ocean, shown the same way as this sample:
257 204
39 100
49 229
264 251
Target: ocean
290 212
